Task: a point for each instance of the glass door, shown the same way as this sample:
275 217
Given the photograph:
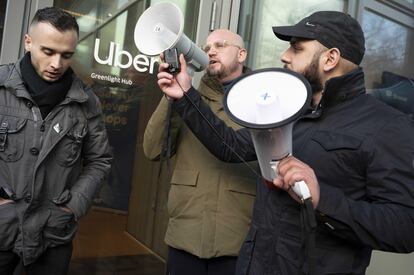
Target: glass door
3 5
11 28
389 34
257 18
126 226
389 75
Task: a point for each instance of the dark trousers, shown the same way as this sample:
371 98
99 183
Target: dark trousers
183 263
54 261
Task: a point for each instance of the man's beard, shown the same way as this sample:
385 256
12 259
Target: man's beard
222 72
311 73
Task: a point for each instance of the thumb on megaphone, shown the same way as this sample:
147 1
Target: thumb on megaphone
183 63
183 77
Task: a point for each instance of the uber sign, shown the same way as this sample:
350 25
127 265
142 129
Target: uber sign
141 63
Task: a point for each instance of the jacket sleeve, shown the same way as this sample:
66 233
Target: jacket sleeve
154 132
96 160
384 220
222 141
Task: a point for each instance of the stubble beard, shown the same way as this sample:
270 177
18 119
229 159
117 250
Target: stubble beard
223 72
311 73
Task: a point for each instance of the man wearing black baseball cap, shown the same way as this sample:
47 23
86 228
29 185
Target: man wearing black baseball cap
332 29
354 153
334 34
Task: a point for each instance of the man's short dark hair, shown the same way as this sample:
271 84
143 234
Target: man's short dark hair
60 19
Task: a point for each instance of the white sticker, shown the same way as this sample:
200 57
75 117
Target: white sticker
57 128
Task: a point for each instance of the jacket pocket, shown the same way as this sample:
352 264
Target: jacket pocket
333 260
183 186
61 227
236 202
9 225
184 177
288 255
335 257
343 151
11 138
240 185
70 147
336 141
246 252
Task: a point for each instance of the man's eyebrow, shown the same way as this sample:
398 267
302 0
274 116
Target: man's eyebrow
294 41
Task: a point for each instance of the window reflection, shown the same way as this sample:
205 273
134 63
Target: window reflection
256 21
397 91
92 13
124 79
388 69
3 5
104 60
389 46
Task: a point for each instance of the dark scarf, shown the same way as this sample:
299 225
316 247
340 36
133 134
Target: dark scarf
45 94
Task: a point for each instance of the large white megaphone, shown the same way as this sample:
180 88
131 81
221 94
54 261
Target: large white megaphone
268 102
160 27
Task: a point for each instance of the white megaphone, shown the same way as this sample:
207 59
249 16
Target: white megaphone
268 102
160 27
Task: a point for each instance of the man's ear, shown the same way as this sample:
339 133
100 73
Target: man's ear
242 55
27 42
331 59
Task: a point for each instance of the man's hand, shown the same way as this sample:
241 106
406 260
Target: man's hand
292 170
168 82
5 201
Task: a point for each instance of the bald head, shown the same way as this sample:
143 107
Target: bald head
227 35
226 54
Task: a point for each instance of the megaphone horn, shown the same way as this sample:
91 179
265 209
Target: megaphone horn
268 102
160 27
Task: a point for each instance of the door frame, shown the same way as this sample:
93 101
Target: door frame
16 23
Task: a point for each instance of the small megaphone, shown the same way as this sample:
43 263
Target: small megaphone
160 28
268 102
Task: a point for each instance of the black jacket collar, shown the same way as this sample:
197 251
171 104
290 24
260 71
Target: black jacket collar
342 88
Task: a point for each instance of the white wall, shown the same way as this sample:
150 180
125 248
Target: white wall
391 264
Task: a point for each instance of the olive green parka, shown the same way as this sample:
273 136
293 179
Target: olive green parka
210 202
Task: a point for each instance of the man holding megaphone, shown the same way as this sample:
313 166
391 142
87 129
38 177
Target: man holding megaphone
354 153
210 202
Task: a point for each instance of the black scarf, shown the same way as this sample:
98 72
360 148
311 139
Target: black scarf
45 94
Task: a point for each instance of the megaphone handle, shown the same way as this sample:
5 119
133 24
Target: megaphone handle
302 190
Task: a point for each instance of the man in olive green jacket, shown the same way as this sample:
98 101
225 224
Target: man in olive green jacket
210 202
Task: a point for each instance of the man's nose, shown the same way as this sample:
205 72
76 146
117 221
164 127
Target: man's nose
56 61
284 57
211 53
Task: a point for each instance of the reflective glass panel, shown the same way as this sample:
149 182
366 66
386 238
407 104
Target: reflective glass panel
124 79
256 21
3 5
388 66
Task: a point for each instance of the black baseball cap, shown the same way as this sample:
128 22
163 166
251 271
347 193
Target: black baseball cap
333 29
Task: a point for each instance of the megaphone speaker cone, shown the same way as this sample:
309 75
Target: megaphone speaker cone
267 98
268 102
158 28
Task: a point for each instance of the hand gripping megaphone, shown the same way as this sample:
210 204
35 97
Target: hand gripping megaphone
160 27
268 102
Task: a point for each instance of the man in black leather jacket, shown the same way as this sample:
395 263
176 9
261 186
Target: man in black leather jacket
354 153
